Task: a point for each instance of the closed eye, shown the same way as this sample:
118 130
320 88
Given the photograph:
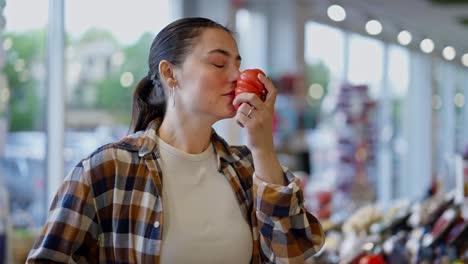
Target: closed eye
219 65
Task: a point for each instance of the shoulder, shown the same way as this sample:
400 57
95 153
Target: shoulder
122 149
114 151
106 159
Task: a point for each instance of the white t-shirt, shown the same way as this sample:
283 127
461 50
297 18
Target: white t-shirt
202 220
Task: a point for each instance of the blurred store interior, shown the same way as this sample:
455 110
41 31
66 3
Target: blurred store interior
371 111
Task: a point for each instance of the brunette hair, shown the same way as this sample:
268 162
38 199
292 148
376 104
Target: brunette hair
173 43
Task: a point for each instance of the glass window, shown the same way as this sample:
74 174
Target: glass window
460 107
106 56
253 56
325 45
366 62
446 87
106 48
22 161
324 58
398 77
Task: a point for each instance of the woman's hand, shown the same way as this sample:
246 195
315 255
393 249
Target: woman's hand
257 116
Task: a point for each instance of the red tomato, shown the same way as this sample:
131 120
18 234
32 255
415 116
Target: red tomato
248 82
372 259
246 87
251 77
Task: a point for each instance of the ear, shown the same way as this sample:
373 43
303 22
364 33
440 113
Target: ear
166 71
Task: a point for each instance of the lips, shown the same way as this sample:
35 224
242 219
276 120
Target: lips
231 93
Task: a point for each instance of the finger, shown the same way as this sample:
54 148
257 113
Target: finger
239 123
248 98
272 91
245 108
243 120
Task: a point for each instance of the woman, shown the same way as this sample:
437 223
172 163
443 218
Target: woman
174 191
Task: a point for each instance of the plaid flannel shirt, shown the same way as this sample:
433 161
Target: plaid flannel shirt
109 209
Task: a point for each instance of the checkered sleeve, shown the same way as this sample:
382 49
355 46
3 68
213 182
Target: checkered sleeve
70 233
288 233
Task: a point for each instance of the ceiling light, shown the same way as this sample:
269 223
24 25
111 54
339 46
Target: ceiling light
427 45
459 100
373 27
404 37
464 59
449 53
316 91
336 13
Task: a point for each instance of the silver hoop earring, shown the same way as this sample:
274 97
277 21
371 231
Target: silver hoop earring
172 95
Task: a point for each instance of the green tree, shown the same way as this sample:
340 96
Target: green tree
318 73
25 108
96 34
137 56
315 74
112 96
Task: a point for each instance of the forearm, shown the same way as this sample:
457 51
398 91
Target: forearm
267 167
282 220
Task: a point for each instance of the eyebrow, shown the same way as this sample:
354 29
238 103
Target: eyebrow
225 52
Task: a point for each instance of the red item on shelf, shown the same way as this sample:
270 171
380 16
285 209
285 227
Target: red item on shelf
324 197
372 259
324 212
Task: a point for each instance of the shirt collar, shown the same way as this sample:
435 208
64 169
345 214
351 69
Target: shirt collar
145 143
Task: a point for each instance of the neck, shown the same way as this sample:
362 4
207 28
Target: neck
185 132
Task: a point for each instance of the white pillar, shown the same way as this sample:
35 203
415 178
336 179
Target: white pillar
416 178
286 22
55 98
446 126
252 37
346 54
177 9
464 87
384 154
217 10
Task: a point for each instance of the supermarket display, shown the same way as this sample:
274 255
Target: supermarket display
342 151
431 230
339 192
428 231
334 153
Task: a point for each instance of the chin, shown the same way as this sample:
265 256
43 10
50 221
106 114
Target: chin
231 110
230 113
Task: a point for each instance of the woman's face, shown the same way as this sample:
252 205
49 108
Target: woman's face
207 78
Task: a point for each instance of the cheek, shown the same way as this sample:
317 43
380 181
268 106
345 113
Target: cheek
211 87
206 88
216 82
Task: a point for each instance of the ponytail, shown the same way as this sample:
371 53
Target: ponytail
147 104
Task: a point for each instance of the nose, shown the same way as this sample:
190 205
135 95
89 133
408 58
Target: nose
234 74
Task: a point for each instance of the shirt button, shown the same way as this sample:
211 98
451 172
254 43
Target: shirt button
156 224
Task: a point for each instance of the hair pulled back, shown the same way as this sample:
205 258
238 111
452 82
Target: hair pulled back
173 43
